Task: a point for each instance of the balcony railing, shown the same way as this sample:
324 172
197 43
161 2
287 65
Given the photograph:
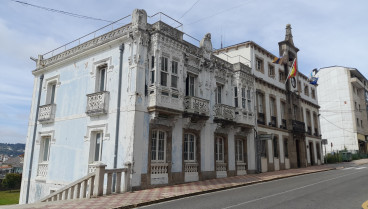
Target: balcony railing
273 121
97 103
46 113
42 169
224 112
196 105
261 118
298 126
164 98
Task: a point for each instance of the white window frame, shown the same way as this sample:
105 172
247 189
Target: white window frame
101 78
220 150
239 150
259 64
218 94
93 143
189 148
155 141
174 74
43 148
260 98
164 71
236 97
244 99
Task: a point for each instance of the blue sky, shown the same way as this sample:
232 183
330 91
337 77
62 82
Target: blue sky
329 32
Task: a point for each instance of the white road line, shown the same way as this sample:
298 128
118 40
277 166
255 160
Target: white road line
360 168
348 168
287 191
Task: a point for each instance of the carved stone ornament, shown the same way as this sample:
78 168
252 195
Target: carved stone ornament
139 19
156 120
206 46
189 124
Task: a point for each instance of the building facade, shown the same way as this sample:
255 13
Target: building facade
287 109
343 94
141 94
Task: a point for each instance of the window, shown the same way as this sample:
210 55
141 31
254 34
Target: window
271 71
236 96
295 112
239 150
283 106
286 150
101 79
273 112
249 100
45 149
158 146
299 86
50 97
96 146
275 147
313 94
263 148
259 64
152 72
219 149
281 76
164 71
357 122
190 86
244 99
361 123
306 90
218 94
189 147
174 75
260 98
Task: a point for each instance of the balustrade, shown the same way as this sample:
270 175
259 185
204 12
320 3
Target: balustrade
196 105
224 112
220 166
191 167
92 185
97 103
159 168
46 113
42 170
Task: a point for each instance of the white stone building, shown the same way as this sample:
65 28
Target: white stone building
173 115
289 112
343 97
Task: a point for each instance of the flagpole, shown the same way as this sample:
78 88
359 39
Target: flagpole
290 71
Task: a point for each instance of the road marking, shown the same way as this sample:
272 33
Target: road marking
360 168
348 168
365 205
291 190
356 168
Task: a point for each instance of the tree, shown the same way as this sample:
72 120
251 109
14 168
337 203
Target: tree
12 181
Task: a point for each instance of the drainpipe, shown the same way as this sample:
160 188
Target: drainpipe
121 48
34 137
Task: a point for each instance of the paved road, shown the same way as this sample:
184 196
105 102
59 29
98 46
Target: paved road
345 188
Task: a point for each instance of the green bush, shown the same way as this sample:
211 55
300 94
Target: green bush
12 181
333 158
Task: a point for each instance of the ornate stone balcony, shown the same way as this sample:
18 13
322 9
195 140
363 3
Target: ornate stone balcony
224 112
97 103
166 100
244 118
195 105
46 113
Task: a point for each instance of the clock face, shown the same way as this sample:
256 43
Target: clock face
293 82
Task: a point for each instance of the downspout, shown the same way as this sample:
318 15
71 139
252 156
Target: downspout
121 48
34 137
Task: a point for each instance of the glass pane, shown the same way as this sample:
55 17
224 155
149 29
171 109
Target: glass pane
102 79
152 76
97 147
46 149
191 86
163 79
52 93
153 145
191 147
161 145
186 147
221 149
174 81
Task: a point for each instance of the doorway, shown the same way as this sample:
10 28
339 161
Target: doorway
297 153
311 153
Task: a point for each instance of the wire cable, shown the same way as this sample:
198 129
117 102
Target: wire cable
61 12
189 9
337 125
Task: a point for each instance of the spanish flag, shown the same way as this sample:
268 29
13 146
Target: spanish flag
293 70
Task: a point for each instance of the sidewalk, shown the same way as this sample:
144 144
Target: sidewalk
149 196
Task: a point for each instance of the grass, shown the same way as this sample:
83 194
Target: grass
9 198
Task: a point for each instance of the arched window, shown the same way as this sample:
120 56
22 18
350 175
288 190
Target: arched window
158 146
219 152
189 147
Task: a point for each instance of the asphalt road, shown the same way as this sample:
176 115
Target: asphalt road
345 188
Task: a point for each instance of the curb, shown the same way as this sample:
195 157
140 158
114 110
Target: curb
215 190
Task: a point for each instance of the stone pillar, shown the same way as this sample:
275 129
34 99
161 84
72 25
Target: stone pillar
99 179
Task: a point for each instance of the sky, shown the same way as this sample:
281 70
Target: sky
327 33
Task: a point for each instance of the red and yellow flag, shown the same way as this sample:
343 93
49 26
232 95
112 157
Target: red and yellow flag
293 70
